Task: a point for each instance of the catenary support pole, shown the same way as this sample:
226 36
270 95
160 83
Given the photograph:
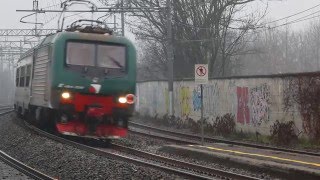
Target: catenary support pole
122 19
202 119
170 57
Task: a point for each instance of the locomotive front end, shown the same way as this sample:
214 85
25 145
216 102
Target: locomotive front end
95 86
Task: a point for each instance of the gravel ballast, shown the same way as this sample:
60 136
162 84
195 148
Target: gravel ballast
154 145
63 161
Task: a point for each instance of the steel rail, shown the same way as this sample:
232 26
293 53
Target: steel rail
183 173
210 139
113 155
5 110
30 172
4 106
165 137
182 164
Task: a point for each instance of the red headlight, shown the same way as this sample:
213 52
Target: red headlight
130 99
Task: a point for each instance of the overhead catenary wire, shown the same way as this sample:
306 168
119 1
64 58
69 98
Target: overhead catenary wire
52 7
261 26
192 26
54 4
295 14
300 19
296 21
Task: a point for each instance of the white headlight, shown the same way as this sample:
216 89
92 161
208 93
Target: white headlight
65 95
122 100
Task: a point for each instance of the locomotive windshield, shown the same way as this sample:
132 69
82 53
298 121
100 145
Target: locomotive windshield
111 56
99 55
82 54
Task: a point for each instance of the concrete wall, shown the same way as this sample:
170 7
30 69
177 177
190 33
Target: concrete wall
256 102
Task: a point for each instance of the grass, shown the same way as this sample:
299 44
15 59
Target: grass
304 143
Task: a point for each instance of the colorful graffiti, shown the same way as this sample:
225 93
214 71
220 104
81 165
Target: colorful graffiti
255 102
211 95
185 101
196 99
243 115
260 101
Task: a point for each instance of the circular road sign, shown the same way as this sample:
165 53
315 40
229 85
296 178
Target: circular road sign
201 71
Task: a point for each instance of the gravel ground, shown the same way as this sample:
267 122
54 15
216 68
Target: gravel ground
63 161
9 173
142 142
153 145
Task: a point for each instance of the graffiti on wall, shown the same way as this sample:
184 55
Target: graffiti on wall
243 115
184 96
196 99
211 95
231 98
155 100
166 94
260 101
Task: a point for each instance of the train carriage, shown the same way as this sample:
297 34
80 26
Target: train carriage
80 82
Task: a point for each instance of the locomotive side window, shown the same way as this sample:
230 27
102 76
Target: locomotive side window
17 77
81 54
111 56
28 75
22 76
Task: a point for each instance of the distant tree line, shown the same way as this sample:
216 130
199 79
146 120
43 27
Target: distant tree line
6 84
211 32
279 51
222 33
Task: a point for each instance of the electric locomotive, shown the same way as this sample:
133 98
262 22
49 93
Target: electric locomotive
80 81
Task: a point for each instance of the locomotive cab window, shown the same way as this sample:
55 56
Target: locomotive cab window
111 56
17 77
81 54
22 76
28 75
96 55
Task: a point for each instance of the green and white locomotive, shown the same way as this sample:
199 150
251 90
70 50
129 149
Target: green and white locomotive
80 81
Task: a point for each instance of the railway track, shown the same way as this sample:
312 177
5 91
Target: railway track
215 173
4 109
138 157
196 139
29 171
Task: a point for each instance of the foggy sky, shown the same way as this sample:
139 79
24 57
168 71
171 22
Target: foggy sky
9 18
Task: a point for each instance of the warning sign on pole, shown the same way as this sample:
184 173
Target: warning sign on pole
201 73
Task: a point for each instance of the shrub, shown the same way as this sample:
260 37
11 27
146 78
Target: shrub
283 133
224 125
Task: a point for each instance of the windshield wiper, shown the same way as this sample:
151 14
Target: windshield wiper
116 62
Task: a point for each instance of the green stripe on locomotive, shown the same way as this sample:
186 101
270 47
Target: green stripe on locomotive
109 85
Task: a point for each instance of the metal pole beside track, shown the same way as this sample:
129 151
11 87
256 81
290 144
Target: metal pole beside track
202 120
170 57
122 19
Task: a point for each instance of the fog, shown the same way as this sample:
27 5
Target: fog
291 48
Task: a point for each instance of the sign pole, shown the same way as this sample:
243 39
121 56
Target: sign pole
201 77
202 120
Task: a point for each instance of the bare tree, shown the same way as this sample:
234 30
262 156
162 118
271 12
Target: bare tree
282 50
203 31
151 63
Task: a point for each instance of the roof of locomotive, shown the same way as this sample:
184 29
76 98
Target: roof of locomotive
86 37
